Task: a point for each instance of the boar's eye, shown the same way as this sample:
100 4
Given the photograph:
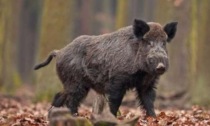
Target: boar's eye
164 43
150 43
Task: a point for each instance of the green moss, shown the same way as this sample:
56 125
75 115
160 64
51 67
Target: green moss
16 80
201 92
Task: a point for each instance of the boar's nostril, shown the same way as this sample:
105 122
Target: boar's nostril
160 69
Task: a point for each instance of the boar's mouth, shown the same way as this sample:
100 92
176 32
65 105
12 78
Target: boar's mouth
160 69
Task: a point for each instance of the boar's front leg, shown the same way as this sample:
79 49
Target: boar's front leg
147 98
115 97
116 90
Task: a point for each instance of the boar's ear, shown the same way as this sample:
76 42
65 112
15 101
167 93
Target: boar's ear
140 28
170 30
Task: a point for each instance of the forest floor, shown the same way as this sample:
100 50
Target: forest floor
17 112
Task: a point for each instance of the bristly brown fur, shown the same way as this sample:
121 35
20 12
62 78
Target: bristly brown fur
113 63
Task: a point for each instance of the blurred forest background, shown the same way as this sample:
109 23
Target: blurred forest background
30 29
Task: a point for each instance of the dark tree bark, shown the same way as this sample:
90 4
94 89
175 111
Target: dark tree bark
28 35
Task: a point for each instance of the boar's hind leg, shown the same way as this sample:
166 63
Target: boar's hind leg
77 93
59 99
147 99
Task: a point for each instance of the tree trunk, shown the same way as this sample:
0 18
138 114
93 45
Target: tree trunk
9 77
199 51
122 14
27 37
56 26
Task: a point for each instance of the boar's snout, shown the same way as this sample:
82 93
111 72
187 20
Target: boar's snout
157 63
160 69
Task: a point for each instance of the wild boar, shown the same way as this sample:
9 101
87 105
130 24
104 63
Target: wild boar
131 57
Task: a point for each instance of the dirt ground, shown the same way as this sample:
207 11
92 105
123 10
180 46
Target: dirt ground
18 112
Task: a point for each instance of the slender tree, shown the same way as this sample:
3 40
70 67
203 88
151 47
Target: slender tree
121 13
28 26
199 52
9 77
55 32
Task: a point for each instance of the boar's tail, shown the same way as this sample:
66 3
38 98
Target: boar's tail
47 61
